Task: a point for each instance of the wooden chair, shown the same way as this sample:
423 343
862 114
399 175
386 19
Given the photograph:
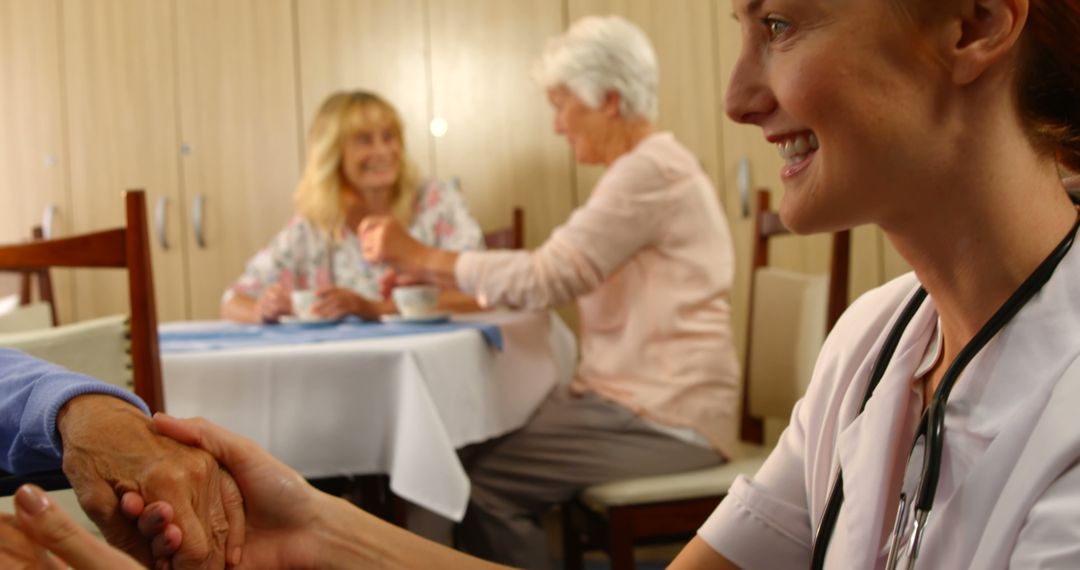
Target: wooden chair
126 247
509 237
767 225
45 290
789 315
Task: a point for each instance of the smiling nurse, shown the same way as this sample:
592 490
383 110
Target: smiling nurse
946 123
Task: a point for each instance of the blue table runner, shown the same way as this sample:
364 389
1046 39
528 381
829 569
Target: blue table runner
223 336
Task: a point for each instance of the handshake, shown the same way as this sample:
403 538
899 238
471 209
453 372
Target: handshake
253 513
202 498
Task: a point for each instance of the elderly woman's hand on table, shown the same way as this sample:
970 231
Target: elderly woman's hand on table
273 303
339 302
40 532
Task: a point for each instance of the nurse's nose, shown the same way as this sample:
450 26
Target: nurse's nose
749 97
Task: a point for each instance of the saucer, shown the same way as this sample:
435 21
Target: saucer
431 319
308 323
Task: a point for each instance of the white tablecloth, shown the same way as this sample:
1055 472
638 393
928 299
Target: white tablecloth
399 405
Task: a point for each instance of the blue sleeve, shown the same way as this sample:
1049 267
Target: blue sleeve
32 392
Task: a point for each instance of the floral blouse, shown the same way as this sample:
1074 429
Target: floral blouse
298 255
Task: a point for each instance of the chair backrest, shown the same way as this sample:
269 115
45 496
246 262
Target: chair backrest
20 318
99 347
790 313
509 237
45 290
127 247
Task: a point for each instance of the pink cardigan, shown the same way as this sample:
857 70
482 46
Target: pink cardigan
650 262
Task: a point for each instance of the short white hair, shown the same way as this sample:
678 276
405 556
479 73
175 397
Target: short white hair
599 54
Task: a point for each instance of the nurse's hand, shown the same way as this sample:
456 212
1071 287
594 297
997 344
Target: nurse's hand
284 514
39 528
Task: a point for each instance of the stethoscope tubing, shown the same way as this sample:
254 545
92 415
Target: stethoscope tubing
932 423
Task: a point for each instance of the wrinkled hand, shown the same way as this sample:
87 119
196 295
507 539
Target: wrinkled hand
337 302
111 451
273 303
393 278
283 512
39 527
385 240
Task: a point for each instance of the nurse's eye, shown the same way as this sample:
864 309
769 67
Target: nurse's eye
775 27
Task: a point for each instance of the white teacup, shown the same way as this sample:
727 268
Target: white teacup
416 300
302 301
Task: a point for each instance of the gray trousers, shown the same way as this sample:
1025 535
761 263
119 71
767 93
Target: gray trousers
570 443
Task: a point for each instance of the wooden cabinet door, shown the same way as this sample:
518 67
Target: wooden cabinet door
499 138
119 71
373 45
33 158
240 128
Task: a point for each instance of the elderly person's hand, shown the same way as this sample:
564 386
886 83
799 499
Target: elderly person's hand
40 527
111 452
284 514
273 303
338 302
393 278
385 240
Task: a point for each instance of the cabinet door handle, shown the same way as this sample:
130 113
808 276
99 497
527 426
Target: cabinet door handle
47 219
160 209
197 220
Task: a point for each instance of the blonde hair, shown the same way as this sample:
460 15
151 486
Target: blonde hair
322 193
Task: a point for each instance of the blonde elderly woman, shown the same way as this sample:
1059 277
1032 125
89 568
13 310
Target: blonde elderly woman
356 167
649 261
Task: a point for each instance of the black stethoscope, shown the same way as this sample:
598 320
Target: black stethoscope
931 430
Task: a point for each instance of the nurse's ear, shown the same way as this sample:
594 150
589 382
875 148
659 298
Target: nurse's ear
986 34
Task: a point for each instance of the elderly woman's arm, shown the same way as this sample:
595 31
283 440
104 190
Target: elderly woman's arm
624 215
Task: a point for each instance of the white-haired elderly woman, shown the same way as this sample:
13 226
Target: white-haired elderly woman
356 167
649 261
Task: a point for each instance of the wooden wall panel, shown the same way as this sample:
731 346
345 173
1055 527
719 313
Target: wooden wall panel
33 157
375 45
121 109
500 140
240 125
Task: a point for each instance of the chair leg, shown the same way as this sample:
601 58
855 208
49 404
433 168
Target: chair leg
621 540
573 552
